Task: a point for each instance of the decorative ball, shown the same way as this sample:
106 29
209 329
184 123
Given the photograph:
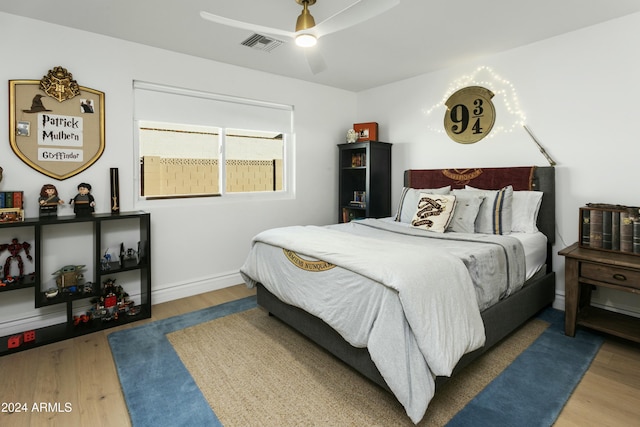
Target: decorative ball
352 136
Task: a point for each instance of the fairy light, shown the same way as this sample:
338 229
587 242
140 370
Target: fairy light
504 95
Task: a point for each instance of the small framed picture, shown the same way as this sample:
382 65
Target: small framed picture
23 129
366 131
11 215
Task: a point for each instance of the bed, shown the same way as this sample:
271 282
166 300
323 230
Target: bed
358 289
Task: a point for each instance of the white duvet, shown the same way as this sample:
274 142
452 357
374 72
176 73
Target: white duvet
417 325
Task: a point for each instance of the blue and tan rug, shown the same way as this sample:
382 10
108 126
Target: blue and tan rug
255 371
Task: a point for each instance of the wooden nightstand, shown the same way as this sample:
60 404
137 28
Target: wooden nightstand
585 268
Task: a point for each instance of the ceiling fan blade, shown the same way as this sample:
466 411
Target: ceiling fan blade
315 60
246 25
354 14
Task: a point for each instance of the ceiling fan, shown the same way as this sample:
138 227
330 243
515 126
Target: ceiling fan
307 32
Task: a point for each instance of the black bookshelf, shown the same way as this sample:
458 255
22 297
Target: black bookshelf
364 180
136 225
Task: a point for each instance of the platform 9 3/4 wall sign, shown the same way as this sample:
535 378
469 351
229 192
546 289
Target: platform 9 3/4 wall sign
470 114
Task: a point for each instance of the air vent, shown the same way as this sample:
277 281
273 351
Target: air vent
260 42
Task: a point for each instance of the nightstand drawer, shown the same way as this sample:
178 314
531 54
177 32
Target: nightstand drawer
611 274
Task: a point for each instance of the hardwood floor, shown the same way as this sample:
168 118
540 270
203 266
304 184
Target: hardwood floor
74 382
609 393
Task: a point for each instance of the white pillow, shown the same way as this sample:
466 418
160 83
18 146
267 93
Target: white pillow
409 201
526 205
495 214
434 212
468 204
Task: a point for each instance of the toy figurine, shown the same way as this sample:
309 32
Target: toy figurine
83 202
69 277
14 249
49 200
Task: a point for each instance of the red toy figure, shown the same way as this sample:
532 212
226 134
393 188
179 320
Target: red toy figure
14 249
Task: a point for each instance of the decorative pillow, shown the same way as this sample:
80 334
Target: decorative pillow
468 204
495 214
409 201
526 205
434 212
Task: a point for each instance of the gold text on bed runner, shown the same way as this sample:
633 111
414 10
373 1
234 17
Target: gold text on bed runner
306 264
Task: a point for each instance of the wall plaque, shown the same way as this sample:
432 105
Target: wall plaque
470 114
56 126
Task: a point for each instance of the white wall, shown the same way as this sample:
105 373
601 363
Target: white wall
196 246
579 93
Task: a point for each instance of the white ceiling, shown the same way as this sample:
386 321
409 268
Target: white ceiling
415 37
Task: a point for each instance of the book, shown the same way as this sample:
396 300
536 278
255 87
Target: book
626 232
585 226
606 229
595 228
17 199
636 237
8 199
615 231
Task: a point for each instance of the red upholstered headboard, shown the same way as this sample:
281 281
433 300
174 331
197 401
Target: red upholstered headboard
521 178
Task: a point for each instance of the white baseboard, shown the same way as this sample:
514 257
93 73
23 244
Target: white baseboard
17 326
187 289
558 304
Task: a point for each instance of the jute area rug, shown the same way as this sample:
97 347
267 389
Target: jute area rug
255 371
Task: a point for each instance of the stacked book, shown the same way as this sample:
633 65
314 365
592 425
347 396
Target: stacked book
610 227
11 199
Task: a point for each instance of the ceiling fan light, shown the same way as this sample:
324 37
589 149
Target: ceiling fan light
306 40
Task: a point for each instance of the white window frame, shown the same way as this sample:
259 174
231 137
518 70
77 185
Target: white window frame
288 192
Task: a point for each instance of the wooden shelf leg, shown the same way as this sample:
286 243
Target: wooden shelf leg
571 296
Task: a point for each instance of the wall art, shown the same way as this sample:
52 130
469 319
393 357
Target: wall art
55 125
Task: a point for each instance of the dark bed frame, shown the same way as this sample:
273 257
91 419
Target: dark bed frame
499 320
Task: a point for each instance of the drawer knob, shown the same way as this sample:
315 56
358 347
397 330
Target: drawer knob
619 276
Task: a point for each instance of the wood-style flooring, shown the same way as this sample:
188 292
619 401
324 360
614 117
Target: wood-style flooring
74 382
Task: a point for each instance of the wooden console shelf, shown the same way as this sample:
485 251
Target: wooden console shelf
57 242
585 268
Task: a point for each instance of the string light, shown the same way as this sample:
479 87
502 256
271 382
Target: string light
504 94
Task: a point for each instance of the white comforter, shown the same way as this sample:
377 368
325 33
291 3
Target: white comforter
417 325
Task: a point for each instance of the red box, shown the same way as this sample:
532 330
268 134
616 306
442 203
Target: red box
110 301
29 336
15 341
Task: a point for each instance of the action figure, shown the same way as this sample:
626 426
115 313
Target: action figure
49 200
14 249
83 203
68 277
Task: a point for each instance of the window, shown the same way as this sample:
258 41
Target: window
178 160
194 144
253 161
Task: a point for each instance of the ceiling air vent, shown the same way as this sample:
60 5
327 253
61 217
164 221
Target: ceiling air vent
260 42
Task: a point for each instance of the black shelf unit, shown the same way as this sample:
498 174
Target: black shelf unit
136 225
364 180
